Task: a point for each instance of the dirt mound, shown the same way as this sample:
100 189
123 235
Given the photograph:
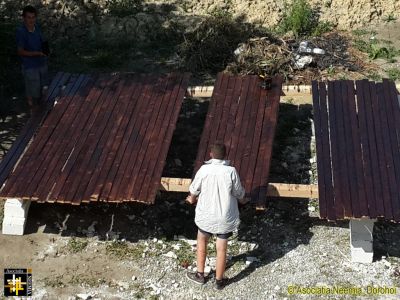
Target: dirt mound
345 14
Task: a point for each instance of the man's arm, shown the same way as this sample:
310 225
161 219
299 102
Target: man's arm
23 52
195 188
237 188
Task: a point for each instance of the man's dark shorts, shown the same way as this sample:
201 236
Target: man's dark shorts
35 79
222 236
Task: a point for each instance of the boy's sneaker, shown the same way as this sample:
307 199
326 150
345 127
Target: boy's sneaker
220 284
196 277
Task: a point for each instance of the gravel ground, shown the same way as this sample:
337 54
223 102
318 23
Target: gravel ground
79 252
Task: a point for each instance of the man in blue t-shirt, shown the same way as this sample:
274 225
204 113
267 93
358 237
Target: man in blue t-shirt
30 46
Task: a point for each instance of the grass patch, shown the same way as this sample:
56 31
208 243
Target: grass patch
76 245
54 281
375 76
302 19
185 254
376 50
122 250
394 74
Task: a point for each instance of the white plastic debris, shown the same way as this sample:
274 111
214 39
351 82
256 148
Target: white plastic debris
303 61
170 254
251 259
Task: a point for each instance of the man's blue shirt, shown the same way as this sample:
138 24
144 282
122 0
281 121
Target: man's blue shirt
30 41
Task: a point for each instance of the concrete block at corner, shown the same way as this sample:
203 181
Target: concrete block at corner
362 225
361 245
14 201
361 256
13 226
20 211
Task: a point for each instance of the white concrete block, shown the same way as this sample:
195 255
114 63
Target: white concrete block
20 211
14 201
13 225
15 213
361 240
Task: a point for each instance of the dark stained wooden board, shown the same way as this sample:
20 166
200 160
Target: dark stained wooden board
243 116
358 153
105 140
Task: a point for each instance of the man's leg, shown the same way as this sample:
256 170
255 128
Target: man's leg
222 246
202 241
32 85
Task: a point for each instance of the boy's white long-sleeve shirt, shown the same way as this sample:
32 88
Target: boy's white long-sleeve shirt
218 187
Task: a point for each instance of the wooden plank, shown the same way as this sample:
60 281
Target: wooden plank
110 154
34 156
344 147
51 157
205 136
88 137
228 104
231 121
253 137
129 144
321 169
274 189
392 101
141 166
371 166
326 158
75 121
148 188
167 139
9 161
232 145
149 154
359 198
126 151
137 154
376 142
241 142
383 132
220 98
106 143
267 139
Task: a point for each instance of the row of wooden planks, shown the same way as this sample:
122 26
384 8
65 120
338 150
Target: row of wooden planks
357 127
106 139
243 116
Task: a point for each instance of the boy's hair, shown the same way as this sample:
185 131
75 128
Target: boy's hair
218 150
29 9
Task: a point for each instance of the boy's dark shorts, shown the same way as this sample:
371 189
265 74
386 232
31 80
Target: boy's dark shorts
222 236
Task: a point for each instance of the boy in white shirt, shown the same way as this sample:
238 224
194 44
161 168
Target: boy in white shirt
216 189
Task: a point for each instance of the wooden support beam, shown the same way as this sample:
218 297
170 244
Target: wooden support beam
288 91
274 189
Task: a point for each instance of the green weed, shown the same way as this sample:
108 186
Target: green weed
374 76
303 20
376 50
393 73
76 245
122 250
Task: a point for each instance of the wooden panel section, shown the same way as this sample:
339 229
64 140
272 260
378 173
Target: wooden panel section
244 116
10 160
358 151
105 140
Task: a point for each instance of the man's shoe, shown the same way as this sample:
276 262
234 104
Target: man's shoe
220 284
196 277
